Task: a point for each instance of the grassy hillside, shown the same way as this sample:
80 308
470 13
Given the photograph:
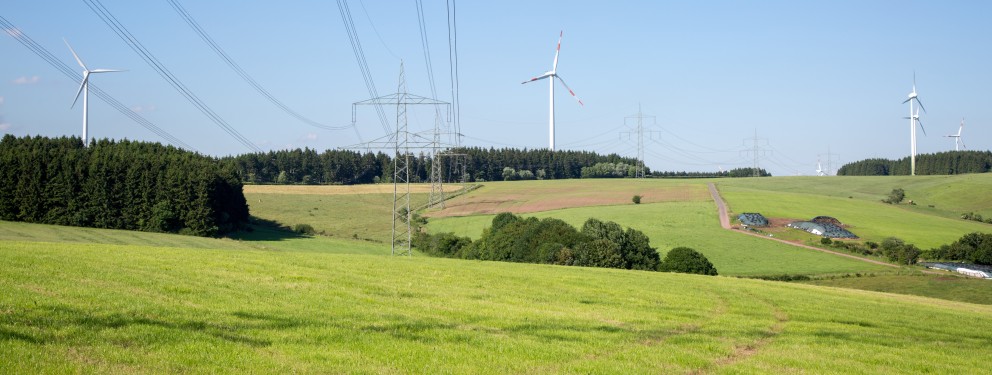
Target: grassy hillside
262 238
692 224
949 287
71 307
950 195
869 218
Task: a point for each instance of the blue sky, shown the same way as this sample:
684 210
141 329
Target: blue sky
806 76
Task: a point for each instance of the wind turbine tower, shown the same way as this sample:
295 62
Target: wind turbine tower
84 88
553 74
958 142
914 118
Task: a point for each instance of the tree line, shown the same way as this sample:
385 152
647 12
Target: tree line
941 163
474 164
471 164
118 185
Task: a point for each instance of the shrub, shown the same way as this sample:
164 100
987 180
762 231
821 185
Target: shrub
305 229
686 260
636 199
826 241
895 197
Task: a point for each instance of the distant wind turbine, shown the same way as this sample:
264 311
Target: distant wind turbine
819 169
958 142
553 74
914 118
84 88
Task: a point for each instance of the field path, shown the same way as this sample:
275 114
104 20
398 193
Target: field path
725 223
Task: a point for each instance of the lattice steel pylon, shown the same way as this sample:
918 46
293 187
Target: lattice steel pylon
401 142
639 132
436 198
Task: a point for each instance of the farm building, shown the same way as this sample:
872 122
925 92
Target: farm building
823 228
972 270
750 219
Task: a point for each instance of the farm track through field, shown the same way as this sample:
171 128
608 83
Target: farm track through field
725 223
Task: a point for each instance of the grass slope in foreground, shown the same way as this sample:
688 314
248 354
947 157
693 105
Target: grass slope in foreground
693 224
110 308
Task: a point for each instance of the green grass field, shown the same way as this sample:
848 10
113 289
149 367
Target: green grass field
950 195
262 238
950 287
269 301
105 308
692 224
869 219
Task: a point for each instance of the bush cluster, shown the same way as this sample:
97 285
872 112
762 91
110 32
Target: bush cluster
511 238
976 217
971 248
117 185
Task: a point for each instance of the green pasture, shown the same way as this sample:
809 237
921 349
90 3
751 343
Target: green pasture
869 220
691 224
355 216
949 287
950 195
105 308
260 238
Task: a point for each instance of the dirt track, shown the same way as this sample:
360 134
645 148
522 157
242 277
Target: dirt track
725 223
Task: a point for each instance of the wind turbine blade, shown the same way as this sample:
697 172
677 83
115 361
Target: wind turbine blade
82 84
921 125
920 103
907 100
536 78
74 54
569 90
960 128
554 68
106 70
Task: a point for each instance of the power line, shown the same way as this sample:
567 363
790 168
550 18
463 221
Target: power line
363 66
241 72
44 54
111 21
453 68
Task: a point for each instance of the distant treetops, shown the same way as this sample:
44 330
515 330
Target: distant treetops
511 238
941 163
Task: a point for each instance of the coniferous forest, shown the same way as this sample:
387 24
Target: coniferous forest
307 166
117 185
941 163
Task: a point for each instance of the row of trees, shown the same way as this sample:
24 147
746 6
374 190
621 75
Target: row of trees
118 185
942 163
306 166
553 241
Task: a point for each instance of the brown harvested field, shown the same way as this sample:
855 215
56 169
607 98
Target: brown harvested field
341 189
534 196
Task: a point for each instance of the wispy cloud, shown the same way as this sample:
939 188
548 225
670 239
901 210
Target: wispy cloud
309 137
27 80
13 32
4 126
1 100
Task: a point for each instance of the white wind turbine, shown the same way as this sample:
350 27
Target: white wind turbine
553 74
958 143
914 118
84 88
819 169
